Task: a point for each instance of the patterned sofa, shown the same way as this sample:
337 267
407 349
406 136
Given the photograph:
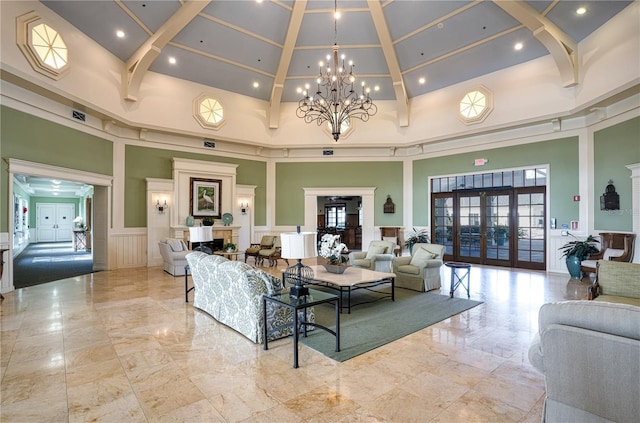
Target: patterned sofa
231 292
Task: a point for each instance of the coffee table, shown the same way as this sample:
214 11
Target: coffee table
230 255
352 279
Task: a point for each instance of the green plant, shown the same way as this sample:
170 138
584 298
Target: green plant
579 248
229 246
415 237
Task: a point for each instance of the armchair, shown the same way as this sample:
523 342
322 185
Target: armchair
173 252
616 282
271 254
254 249
589 353
421 270
378 257
615 247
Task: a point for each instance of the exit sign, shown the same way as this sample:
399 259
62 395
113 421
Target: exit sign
480 162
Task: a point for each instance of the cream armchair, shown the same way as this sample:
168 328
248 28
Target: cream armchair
421 270
173 252
378 257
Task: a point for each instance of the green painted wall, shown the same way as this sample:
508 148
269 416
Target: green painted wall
292 177
560 154
26 137
144 162
613 149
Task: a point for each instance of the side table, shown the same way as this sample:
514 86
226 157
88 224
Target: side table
315 297
187 272
457 279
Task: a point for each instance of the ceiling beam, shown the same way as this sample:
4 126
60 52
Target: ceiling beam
141 60
402 101
561 46
297 13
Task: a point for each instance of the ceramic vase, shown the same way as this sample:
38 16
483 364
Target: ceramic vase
573 265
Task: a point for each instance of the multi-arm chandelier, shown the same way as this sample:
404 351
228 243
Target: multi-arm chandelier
335 101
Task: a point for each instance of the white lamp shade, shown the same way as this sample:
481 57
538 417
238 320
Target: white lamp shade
299 245
200 234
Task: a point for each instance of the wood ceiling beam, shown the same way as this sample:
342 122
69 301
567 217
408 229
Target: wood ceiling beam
402 100
139 63
561 46
297 13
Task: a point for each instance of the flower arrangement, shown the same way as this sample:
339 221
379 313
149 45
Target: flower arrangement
330 248
79 222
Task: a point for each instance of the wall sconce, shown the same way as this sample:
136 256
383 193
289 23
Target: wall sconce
161 207
244 207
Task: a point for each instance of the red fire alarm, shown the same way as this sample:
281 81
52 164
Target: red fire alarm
576 198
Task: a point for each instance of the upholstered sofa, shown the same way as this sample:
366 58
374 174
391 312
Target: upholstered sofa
377 257
231 292
173 252
421 270
589 353
616 282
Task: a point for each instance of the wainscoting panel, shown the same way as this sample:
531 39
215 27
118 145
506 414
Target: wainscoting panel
129 249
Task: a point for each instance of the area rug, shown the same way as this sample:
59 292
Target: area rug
49 261
372 325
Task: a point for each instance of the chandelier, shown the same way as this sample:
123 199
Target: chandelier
335 101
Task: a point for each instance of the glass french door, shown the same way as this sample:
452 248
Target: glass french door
502 227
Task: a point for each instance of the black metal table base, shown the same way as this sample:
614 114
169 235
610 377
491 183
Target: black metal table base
342 290
187 271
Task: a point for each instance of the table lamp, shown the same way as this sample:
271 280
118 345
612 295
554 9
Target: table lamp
201 234
298 245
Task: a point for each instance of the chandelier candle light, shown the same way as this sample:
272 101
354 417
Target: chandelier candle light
335 100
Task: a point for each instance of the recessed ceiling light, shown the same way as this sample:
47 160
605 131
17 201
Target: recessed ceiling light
256 84
120 33
376 88
518 46
337 15
172 60
55 181
581 10
258 1
422 80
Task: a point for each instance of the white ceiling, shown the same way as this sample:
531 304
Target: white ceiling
46 187
231 45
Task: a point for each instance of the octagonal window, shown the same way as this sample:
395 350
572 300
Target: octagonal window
42 46
475 105
208 111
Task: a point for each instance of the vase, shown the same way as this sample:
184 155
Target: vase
335 268
190 221
573 265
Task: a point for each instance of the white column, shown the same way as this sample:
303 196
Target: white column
635 206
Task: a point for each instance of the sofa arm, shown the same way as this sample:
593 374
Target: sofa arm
535 353
357 255
434 263
382 257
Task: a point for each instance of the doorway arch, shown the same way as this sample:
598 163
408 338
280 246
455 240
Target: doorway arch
368 196
101 207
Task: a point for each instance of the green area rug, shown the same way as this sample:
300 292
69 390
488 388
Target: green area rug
372 325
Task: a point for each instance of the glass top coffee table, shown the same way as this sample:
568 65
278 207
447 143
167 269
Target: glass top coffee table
352 279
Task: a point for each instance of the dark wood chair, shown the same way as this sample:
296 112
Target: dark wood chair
613 246
254 249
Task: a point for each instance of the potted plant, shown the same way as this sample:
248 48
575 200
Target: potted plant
577 250
229 247
415 237
331 248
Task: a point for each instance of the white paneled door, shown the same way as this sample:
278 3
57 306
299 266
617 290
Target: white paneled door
54 222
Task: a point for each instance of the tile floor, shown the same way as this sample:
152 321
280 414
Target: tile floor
123 346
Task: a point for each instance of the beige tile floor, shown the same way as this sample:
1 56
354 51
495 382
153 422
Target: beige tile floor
123 346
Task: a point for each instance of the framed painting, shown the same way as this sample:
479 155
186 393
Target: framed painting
205 197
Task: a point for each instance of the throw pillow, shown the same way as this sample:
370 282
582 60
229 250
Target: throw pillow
374 251
390 239
421 256
175 244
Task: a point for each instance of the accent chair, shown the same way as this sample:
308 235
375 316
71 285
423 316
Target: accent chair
614 246
377 257
421 270
254 249
173 252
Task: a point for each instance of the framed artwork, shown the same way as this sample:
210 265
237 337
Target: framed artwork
205 197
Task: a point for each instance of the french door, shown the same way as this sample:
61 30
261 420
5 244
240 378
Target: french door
501 227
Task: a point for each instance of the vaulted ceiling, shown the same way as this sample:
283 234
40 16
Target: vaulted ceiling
267 49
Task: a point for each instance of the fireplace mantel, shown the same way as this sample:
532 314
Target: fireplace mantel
227 233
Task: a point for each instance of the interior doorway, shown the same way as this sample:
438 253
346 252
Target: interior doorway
100 208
